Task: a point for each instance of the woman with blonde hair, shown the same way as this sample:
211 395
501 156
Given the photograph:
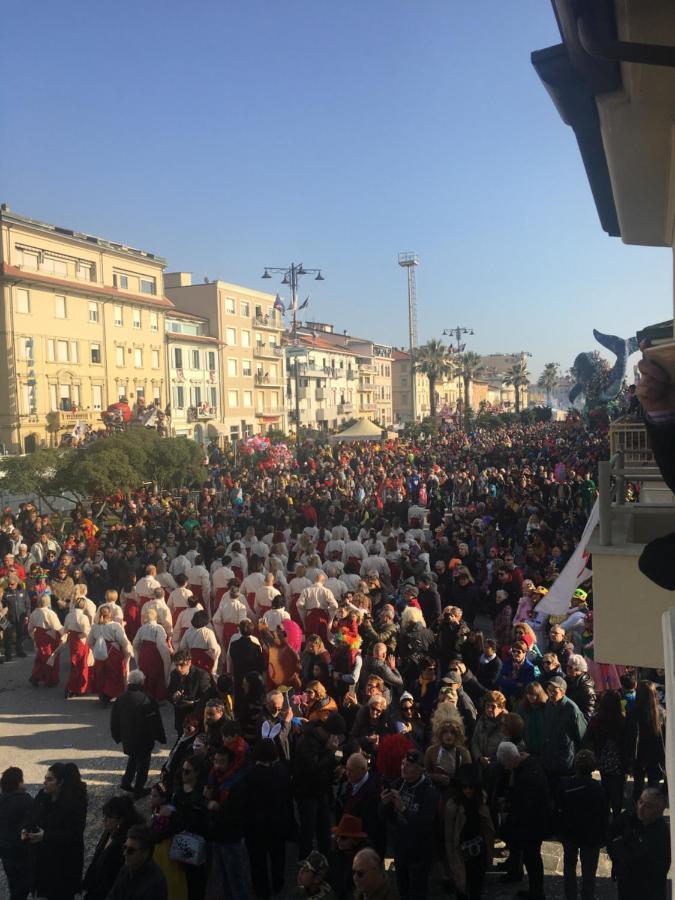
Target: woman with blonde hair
319 704
446 754
89 607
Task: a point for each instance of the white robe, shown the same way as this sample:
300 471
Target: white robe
111 632
202 639
155 633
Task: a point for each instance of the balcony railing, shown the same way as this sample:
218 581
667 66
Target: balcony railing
269 411
368 407
201 413
368 369
345 408
266 351
63 419
268 321
268 380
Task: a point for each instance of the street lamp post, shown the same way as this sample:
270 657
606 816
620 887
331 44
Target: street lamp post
291 277
457 333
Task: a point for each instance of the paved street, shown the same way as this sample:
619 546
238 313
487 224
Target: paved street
38 727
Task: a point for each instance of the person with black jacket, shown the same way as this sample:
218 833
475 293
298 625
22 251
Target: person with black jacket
188 685
415 643
528 814
452 632
580 685
267 813
639 847
385 632
136 723
119 814
645 738
140 878
15 808
56 832
314 763
582 820
411 806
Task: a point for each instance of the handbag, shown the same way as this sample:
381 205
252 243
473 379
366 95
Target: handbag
188 848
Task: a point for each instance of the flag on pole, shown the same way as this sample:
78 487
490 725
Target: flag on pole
279 305
304 302
557 601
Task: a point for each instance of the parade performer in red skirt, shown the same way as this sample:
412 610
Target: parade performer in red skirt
112 652
77 626
152 654
45 630
202 643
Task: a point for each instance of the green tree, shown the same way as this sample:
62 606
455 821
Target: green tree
434 361
549 379
36 473
468 366
519 377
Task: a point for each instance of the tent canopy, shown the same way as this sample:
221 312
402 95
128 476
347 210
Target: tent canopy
363 430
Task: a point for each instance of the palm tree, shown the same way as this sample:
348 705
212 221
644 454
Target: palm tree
434 361
549 379
468 366
518 376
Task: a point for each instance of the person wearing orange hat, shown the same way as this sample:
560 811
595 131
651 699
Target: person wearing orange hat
349 839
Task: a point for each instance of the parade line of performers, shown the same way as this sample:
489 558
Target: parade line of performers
356 665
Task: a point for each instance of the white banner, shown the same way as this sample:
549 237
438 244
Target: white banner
557 601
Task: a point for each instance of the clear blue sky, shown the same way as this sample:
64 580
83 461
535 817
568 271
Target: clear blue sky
231 134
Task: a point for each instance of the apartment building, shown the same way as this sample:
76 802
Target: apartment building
193 364
82 325
327 382
248 331
373 361
406 407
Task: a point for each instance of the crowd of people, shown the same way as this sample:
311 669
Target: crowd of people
356 663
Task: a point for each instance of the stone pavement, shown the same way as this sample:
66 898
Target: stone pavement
39 727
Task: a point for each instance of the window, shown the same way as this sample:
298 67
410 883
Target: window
28 259
212 360
147 285
60 307
140 393
231 337
85 271
53 403
64 397
248 398
119 355
154 321
22 301
274 400
24 348
179 397
93 311
117 316
95 351
29 405
258 312
155 359
246 368
73 352
245 308
178 357
120 281
195 359
121 391
96 396
230 305
136 318
51 351
62 351
196 396
232 368
245 338
273 373
138 357
213 397
54 266
234 433
233 398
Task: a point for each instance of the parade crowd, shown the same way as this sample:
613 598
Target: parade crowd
356 664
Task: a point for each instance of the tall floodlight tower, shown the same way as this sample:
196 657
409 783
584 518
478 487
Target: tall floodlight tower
410 261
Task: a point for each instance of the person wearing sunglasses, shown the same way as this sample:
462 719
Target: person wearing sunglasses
370 878
140 877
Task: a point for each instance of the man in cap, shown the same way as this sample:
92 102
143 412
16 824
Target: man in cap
564 728
453 692
411 806
312 881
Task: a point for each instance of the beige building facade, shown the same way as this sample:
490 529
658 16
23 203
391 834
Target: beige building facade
328 379
193 364
249 337
82 325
